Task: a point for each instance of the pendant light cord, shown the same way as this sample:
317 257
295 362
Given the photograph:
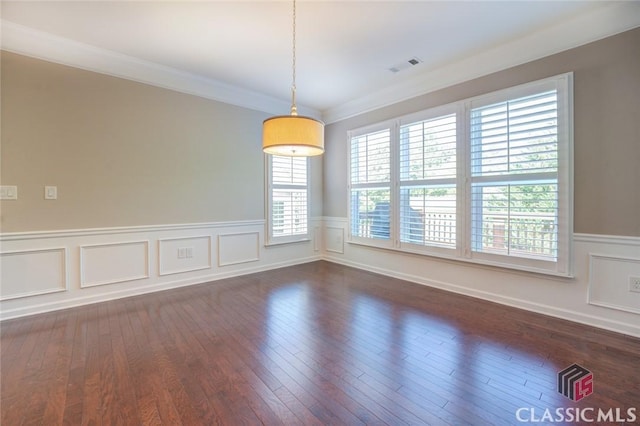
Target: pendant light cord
294 109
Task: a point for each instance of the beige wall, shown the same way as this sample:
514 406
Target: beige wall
606 121
124 153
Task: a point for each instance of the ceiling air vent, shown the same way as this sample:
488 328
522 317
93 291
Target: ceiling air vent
405 64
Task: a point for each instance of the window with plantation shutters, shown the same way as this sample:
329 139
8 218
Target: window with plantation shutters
288 197
514 177
370 184
485 180
428 179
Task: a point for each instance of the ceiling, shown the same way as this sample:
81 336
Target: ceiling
344 48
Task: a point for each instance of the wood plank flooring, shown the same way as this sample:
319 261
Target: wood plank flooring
313 344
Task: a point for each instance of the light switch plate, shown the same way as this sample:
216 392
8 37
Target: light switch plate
8 192
50 192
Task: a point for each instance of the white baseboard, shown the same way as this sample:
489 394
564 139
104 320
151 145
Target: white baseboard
72 302
597 295
595 321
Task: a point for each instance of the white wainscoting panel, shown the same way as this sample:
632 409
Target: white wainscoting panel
238 248
102 264
44 269
184 254
334 239
609 282
43 264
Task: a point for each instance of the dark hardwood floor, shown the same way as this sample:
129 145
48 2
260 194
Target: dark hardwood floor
313 344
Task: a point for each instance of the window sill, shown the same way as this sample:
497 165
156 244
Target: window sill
453 257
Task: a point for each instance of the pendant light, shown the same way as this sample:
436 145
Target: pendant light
293 135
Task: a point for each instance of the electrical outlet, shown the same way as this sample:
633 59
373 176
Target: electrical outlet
634 284
8 192
185 252
50 192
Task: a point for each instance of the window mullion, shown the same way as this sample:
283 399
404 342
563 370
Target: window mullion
395 185
463 143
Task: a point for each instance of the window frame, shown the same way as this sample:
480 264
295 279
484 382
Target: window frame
270 221
463 251
425 115
379 127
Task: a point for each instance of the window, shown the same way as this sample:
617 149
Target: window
287 195
485 180
371 184
514 177
428 182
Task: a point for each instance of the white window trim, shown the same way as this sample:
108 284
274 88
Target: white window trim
374 242
435 112
564 265
272 240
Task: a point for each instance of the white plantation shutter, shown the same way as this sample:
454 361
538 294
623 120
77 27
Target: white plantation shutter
289 170
370 184
370 158
288 198
428 171
514 177
486 180
516 137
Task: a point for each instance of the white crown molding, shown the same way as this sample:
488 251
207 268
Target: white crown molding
607 20
27 41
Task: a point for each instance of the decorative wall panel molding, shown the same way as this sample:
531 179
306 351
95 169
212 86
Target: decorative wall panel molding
44 269
44 264
102 264
609 282
184 254
238 248
334 240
